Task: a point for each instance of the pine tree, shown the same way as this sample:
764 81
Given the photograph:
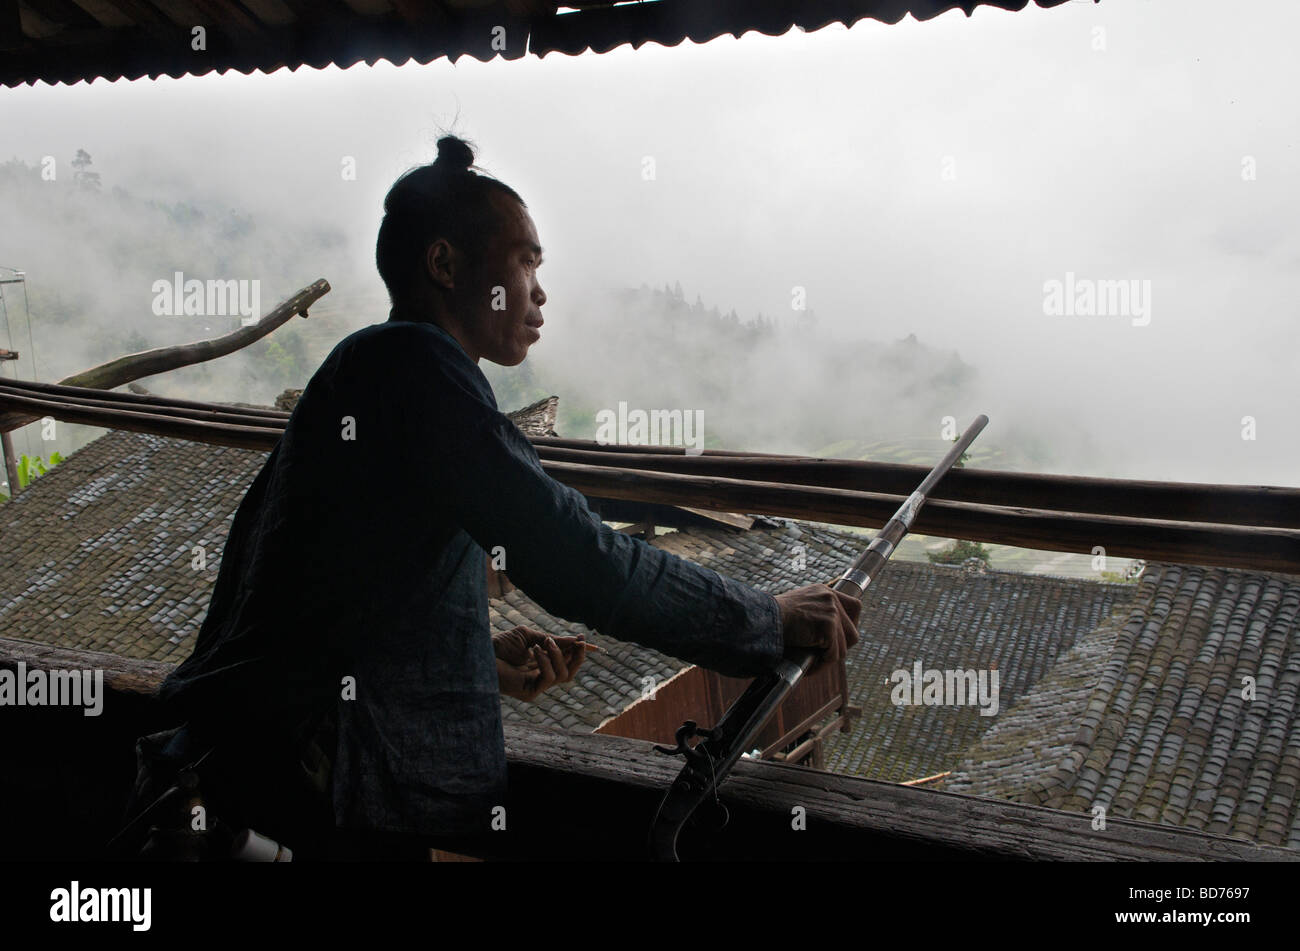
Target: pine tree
81 177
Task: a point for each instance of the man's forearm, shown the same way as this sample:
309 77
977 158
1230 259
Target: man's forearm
697 614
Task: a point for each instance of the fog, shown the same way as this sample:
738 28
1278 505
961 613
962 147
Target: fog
925 179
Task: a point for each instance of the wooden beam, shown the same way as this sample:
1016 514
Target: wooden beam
561 442
1275 506
140 398
731 519
804 725
665 516
1272 506
618 783
231 414
128 675
812 743
216 434
1232 546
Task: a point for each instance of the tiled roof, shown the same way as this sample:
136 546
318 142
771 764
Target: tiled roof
1031 738
1151 720
951 619
944 617
98 556
110 535
97 553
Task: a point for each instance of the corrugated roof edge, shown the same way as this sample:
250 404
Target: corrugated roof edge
662 22
138 52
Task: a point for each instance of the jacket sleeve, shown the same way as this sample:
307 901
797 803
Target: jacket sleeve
488 476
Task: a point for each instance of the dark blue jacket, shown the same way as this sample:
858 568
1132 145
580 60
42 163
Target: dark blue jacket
358 553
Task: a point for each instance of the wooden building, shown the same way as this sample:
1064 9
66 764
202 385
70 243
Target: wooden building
63 771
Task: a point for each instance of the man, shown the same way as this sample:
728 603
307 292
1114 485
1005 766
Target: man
344 673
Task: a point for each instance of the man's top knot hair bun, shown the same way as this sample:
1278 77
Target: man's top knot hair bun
444 199
454 154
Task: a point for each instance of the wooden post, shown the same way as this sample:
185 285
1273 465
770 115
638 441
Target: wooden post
7 444
11 464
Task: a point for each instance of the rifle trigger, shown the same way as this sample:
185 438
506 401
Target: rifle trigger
685 732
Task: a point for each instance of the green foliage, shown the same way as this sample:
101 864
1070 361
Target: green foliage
958 552
30 467
280 361
962 459
1130 575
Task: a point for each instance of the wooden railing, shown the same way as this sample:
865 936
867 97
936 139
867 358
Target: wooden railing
64 778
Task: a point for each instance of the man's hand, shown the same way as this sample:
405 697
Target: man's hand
818 616
529 661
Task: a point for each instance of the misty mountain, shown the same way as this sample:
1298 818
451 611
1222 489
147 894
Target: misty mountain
795 382
762 383
92 253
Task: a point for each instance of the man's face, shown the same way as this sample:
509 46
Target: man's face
503 312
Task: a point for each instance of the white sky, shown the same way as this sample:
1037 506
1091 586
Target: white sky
817 161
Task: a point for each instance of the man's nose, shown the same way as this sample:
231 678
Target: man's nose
539 295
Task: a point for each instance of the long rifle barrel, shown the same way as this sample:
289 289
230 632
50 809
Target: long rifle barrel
708 762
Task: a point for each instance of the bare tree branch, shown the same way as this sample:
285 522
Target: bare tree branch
136 366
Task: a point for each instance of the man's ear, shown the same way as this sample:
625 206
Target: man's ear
442 263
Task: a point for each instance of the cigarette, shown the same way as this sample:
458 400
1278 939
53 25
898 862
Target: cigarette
589 646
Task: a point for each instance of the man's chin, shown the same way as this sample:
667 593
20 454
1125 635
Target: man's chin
511 359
